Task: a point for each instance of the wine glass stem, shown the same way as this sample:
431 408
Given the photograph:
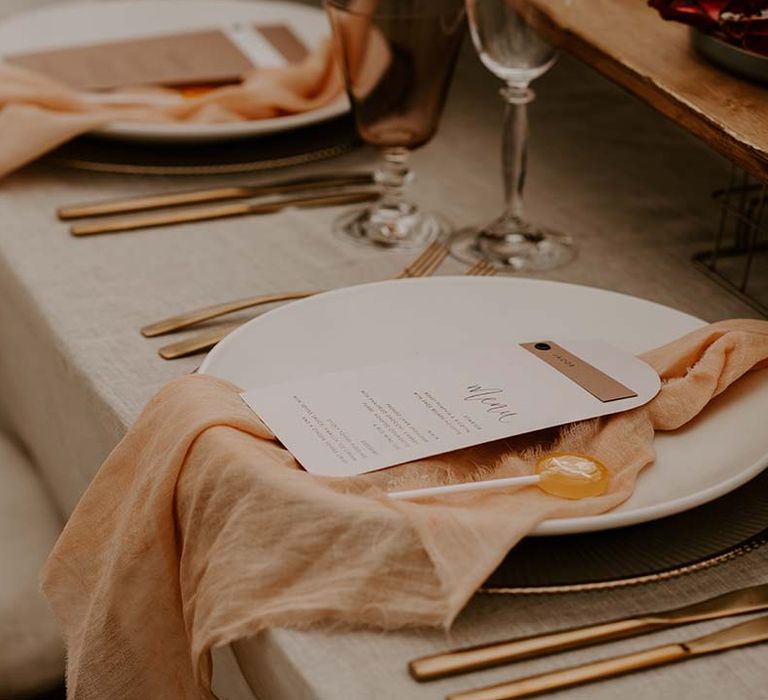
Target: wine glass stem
393 176
514 147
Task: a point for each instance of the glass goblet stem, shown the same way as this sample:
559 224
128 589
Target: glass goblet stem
393 176
514 149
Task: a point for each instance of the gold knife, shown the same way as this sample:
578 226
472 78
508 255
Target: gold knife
216 194
751 632
740 602
222 211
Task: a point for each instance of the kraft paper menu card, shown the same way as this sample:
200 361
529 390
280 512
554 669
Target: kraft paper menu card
357 421
202 57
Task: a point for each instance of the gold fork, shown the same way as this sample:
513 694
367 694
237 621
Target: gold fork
421 267
424 265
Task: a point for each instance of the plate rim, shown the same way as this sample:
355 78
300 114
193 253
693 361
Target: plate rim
146 132
170 133
756 541
555 526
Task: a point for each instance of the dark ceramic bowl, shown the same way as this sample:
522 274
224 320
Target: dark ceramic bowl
745 64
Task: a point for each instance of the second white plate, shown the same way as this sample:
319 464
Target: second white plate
386 321
76 23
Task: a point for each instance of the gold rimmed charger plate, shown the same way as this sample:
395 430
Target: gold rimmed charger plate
306 145
679 545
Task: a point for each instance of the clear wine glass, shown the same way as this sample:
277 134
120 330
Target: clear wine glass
512 51
398 58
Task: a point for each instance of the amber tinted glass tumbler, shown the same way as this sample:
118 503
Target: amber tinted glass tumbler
398 58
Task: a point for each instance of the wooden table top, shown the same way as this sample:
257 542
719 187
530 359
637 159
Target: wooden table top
629 43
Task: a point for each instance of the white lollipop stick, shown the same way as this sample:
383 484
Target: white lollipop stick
467 486
563 474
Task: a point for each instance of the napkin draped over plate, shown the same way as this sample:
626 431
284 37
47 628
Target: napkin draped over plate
38 114
200 529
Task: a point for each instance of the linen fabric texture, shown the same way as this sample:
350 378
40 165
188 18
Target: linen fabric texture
200 529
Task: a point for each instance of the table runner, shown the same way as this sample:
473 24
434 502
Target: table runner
200 529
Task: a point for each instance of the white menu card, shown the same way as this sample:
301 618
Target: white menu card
356 421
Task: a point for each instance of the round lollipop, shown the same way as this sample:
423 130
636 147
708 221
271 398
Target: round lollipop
572 475
563 474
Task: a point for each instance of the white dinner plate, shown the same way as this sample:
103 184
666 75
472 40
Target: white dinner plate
719 450
72 24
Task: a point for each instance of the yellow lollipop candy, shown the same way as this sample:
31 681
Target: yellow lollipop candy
563 474
572 475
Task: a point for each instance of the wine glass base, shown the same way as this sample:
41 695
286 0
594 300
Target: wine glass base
525 249
368 226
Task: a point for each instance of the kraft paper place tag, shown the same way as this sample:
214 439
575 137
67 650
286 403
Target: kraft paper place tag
203 57
357 421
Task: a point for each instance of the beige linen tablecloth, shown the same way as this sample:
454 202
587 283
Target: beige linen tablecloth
75 373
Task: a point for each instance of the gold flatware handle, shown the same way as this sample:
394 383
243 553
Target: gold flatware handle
206 196
576 675
452 663
221 211
737 602
175 323
750 632
201 342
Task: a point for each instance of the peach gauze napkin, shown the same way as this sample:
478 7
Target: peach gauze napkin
37 114
200 529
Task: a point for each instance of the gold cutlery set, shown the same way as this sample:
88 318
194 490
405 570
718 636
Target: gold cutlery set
303 192
312 191
740 602
424 265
